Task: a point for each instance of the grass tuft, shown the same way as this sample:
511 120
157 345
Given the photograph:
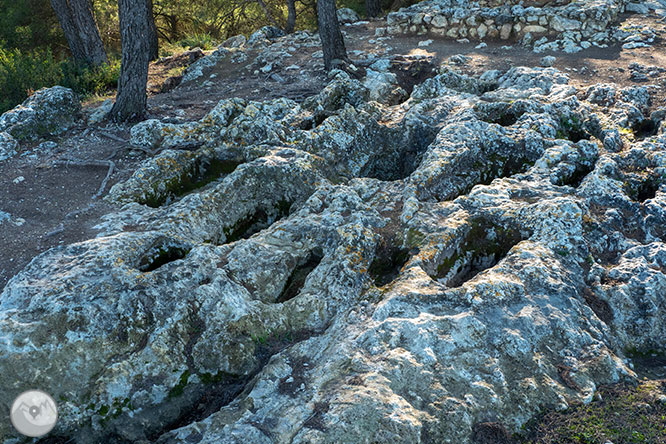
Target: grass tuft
620 414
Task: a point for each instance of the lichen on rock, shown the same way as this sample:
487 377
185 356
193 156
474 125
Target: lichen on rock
567 25
347 270
8 146
48 112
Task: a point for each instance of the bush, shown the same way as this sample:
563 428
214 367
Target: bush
201 40
21 73
197 40
87 81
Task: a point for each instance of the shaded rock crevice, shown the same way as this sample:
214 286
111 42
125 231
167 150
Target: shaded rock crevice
162 253
482 247
298 276
388 262
203 172
478 161
259 220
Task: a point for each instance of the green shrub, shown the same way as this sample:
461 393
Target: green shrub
22 73
86 81
201 40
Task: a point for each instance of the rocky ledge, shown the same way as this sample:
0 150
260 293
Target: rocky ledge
343 271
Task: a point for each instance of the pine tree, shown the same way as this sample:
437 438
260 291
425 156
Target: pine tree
372 8
78 23
332 43
135 45
152 32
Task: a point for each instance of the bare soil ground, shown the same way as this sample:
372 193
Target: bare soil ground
53 204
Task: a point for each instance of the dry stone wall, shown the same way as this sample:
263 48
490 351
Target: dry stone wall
583 23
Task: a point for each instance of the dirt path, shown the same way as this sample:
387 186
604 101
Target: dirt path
53 204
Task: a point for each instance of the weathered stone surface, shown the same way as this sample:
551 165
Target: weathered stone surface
563 24
535 29
505 31
8 146
383 87
345 271
439 21
637 8
548 61
101 112
341 91
482 31
236 41
346 15
48 112
232 120
264 36
196 69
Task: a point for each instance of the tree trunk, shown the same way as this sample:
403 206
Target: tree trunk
291 16
397 4
172 22
152 33
134 38
268 14
78 23
372 8
332 43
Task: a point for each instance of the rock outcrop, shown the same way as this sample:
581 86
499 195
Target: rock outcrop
48 112
343 271
346 15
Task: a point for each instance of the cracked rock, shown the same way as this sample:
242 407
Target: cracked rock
349 271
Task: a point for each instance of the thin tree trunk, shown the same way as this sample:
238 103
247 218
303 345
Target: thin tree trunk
268 14
152 32
291 16
397 4
372 8
332 43
78 23
315 10
131 98
172 22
